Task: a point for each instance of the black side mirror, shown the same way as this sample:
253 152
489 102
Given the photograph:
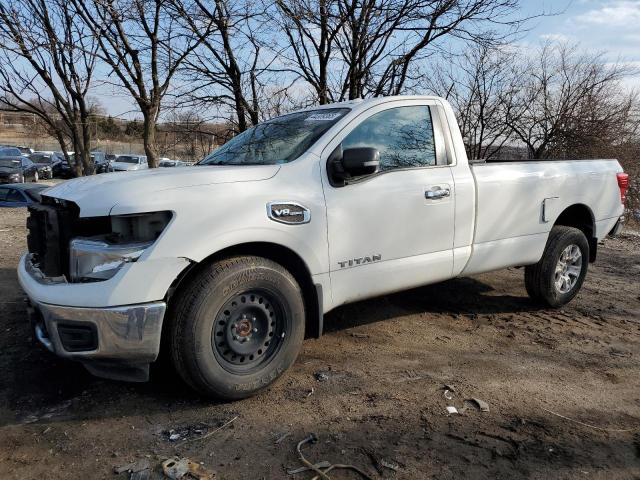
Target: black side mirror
361 161
351 163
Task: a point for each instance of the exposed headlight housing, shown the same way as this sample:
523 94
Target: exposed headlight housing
100 257
92 260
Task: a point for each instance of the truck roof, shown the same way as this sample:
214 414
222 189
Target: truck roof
369 102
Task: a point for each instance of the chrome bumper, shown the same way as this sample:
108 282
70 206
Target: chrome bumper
114 342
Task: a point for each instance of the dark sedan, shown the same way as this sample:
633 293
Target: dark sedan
17 170
45 163
21 195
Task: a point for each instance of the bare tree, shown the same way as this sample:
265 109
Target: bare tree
143 44
224 70
482 86
348 49
47 62
569 100
311 28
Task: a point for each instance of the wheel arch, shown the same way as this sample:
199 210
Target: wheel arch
580 216
288 258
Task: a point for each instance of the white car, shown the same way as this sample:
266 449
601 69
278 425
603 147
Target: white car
128 163
233 261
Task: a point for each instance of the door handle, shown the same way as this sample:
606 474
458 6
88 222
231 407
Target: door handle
437 193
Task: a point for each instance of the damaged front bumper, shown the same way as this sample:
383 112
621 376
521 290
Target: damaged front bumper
113 327
116 342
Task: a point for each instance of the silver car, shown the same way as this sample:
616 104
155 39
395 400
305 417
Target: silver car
127 163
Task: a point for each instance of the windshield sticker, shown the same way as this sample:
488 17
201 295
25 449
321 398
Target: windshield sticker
322 117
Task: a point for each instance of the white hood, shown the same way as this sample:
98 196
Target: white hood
98 194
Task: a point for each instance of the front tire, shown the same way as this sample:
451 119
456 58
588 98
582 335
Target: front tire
237 325
35 177
557 278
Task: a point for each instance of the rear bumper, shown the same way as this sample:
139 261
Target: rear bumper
114 342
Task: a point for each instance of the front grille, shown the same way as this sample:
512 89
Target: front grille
52 224
49 234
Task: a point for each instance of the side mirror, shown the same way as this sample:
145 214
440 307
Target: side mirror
360 161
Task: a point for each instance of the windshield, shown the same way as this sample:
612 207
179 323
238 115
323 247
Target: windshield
127 159
280 140
7 162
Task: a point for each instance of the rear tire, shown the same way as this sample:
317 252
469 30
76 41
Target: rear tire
237 326
557 278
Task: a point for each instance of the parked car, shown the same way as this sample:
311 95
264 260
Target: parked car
10 152
100 161
25 151
17 169
231 263
128 163
165 162
45 162
20 195
65 171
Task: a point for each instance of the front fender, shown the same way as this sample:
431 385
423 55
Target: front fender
301 244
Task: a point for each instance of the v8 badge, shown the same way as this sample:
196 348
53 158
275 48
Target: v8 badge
290 213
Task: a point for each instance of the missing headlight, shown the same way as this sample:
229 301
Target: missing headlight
143 227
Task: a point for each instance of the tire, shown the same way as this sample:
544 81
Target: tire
237 325
35 176
557 278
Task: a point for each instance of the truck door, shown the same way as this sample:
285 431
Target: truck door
394 229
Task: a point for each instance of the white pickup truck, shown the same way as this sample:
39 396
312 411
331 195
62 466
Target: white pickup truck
228 264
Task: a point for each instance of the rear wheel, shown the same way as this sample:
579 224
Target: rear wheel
559 274
237 326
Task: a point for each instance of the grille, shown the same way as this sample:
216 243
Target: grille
51 226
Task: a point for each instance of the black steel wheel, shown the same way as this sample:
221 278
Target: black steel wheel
236 326
248 331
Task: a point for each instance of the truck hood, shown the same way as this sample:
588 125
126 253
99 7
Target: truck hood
98 194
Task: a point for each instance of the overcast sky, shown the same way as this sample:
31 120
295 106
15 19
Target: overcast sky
610 26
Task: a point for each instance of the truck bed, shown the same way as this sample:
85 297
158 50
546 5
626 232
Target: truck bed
517 203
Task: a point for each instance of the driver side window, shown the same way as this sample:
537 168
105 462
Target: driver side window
403 136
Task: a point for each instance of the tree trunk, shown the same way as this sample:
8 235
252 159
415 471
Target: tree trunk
88 168
240 113
63 147
149 137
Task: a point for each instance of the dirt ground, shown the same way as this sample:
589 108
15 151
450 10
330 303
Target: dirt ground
563 388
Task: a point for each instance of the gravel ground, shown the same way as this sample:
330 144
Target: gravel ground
562 387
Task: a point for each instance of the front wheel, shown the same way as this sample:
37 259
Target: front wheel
557 278
35 177
237 325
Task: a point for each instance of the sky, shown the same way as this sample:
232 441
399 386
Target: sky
608 26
